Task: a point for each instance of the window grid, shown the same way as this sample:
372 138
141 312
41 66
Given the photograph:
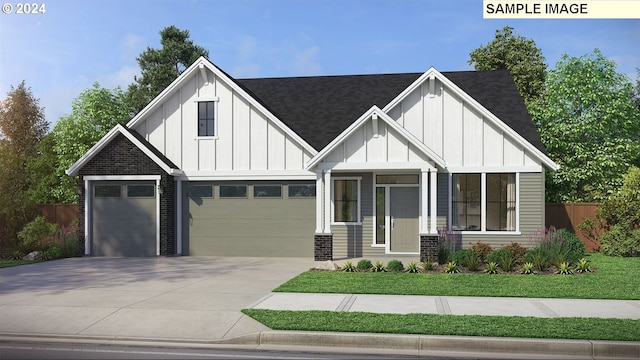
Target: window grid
206 118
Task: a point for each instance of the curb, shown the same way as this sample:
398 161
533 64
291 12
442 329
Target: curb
421 345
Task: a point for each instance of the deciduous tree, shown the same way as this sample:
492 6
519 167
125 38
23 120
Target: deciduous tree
159 67
589 126
517 54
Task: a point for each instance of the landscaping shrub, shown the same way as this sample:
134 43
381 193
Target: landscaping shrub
33 235
504 258
557 245
444 254
461 257
395 265
539 257
482 250
378 267
448 241
364 265
492 268
619 241
413 267
348 267
451 268
517 250
528 269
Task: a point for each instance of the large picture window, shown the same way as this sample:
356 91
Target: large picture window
345 200
497 192
466 202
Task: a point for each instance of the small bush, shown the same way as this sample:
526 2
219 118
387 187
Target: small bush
492 268
539 257
528 269
364 265
620 241
348 267
583 266
482 250
473 263
32 236
564 269
444 255
413 267
395 265
378 267
517 250
504 258
461 257
427 265
451 268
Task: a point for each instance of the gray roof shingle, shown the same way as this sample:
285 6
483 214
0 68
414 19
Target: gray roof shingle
319 108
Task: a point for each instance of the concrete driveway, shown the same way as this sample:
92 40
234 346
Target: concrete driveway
194 298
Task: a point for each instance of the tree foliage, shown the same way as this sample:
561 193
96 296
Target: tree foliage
22 125
159 67
517 54
94 112
589 126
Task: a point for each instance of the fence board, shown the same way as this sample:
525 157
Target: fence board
61 214
569 216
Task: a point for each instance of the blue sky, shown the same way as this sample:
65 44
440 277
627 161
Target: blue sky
76 43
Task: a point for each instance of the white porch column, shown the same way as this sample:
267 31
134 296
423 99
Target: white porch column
327 202
424 203
434 202
319 201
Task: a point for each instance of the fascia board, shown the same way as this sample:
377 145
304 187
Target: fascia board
229 82
478 107
358 123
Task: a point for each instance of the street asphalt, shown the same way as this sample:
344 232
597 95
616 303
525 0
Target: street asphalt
196 302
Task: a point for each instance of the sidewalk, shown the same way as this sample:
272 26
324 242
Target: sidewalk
452 305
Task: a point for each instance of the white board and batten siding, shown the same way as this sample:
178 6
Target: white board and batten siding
246 139
458 132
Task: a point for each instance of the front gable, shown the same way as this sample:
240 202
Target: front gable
248 138
460 129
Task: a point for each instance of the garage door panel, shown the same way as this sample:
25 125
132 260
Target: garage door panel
248 226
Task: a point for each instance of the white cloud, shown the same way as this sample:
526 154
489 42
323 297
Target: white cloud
122 77
305 63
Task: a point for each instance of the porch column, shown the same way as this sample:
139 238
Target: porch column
87 217
434 202
319 201
327 202
424 203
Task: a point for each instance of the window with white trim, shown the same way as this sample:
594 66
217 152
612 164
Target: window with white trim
206 118
346 206
484 202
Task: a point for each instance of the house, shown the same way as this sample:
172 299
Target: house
327 166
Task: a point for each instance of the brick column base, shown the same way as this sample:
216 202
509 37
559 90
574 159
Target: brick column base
323 247
429 246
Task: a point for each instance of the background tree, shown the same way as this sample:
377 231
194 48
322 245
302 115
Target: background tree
159 67
94 112
517 54
636 94
22 125
589 126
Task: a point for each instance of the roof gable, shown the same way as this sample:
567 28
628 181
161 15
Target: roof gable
376 112
166 164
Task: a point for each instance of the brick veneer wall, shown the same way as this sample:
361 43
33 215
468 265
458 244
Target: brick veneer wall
122 157
323 247
429 246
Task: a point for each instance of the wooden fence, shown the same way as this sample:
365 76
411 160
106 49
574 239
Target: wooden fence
569 216
61 214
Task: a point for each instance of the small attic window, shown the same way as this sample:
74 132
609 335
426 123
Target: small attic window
206 118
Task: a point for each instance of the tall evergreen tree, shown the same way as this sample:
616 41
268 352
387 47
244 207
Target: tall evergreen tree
519 55
159 67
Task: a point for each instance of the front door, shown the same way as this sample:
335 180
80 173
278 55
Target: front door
403 220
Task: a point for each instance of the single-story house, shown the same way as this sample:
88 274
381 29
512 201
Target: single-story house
323 166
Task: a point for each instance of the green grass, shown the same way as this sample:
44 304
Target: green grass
9 263
459 325
615 278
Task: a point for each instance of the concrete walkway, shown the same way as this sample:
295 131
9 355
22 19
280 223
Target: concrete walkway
453 305
196 302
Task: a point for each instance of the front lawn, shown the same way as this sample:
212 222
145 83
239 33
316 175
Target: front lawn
9 263
614 278
459 325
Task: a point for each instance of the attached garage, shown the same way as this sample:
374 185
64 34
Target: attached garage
124 218
248 218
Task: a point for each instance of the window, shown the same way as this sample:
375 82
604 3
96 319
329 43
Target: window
200 191
345 200
397 179
466 202
140 190
497 192
206 118
501 202
267 191
380 215
233 191
103 191
299 191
